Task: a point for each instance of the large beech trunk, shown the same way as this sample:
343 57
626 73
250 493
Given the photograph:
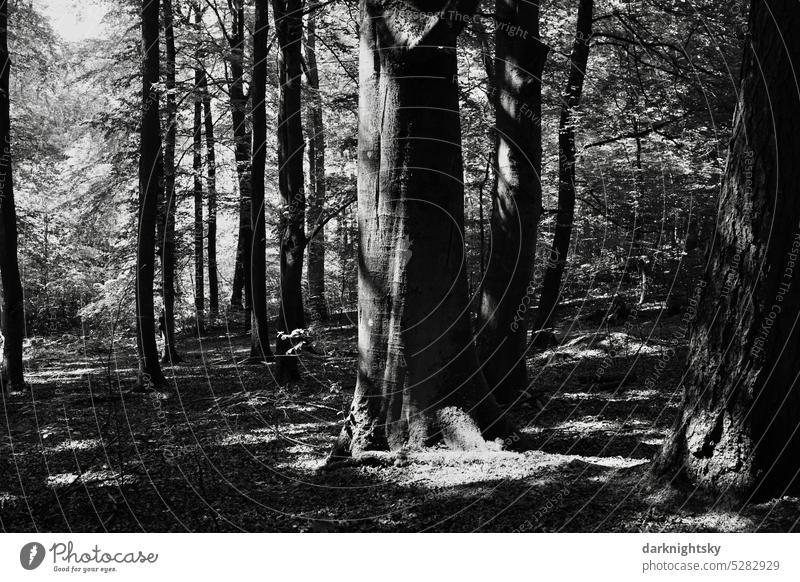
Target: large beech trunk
168 265
211 188
316 163
13 314
150 185
517 198
738 430
418 376
289 26
259 346
570 99
241 136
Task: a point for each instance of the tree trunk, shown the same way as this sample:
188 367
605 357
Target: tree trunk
241 136
197 175
289 28
150 185
13 310
259 346
211 187
571 98
316 163
517 198
418 375
168 228
737 434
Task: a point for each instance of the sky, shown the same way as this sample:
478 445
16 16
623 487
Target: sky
74 20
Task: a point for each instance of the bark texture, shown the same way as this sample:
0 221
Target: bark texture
13 314
289 27
737 434
242 151
150 186
211 188
197 180
168 265
259 333
316 163
517 198
418 375
565 215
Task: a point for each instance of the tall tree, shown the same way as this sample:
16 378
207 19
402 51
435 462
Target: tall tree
517 197
211 188
150 185
418 375
197 183
13 314
168 265
570 100
242 152
738 430
316 165
259 346
288 16
200 88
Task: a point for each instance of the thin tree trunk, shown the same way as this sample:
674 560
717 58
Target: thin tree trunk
197 175
571 98
737 434
150 185
168 266
418 374
259 345
13 310
517 198
289 27
316 162
241 136
211 187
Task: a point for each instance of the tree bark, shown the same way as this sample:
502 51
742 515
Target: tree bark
517 198
316 163
13 309
150 186
418 375
168 227
737 434
289 27
197 178
211 187
259 346
571 99
242 151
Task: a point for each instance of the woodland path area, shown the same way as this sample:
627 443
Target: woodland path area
216 453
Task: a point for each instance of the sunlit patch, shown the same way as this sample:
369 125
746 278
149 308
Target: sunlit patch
7 498
589 425
75 445
102 478
259 436
653 441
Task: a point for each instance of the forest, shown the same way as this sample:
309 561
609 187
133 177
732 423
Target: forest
400 265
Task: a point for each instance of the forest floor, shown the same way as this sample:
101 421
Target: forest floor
224 449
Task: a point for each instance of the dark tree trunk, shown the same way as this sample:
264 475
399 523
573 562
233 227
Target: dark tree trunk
738 431
168 228
197 175
418 374
241 136
316 163
259 346
570 99
13 309
211 187
289 27
150 187
517 199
